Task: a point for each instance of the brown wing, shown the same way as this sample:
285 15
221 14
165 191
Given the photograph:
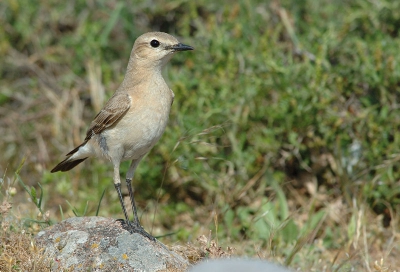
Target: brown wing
112 111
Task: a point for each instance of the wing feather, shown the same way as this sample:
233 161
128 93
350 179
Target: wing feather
112 111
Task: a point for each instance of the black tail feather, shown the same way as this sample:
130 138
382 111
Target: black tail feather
66 165
76 148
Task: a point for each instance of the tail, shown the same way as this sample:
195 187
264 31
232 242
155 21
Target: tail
66 165
69 163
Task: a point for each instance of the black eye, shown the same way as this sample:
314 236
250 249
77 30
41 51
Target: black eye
155 43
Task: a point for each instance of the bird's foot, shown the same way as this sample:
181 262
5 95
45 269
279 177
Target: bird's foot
135 228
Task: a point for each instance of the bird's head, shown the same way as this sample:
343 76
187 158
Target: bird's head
156 48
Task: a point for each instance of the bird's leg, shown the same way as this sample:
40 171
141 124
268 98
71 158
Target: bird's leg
136 227
121 200
131 196
117 185
129 177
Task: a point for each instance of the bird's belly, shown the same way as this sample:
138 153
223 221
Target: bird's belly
139 146
134 137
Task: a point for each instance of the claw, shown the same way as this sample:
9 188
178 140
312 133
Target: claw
134 228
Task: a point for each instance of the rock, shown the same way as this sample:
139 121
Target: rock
237 265
101 244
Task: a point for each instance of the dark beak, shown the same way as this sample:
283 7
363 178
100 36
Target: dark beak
180 47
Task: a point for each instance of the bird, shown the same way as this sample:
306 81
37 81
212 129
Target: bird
134 118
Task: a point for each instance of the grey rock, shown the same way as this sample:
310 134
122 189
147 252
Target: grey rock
101 244
237 265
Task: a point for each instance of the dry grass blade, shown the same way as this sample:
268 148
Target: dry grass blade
97 92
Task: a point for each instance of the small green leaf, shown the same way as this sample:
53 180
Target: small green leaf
98 206
41 195
61 212
72 208
33 195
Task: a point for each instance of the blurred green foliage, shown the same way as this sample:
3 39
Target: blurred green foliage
277 94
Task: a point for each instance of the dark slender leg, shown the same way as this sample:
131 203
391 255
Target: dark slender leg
134 209
121 200
136 228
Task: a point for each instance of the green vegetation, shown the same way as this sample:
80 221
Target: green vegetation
283 138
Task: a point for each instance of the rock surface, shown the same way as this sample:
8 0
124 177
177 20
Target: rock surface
101 244
237 265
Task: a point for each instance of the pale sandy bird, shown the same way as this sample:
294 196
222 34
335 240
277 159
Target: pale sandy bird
134 118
